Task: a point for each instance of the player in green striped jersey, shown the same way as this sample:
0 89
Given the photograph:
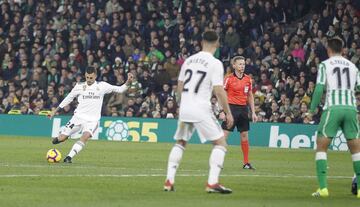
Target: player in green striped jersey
341 78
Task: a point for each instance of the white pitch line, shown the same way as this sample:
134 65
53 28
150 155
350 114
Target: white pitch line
162 175
66 166
201 173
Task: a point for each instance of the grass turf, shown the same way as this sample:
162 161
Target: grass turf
132 174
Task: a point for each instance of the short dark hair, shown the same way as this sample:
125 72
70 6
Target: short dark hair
335 44
90 70
210 36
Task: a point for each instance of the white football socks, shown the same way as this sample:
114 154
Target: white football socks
216 162
77 147
175 156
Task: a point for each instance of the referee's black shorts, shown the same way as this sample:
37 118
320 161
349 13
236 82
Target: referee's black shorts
241 118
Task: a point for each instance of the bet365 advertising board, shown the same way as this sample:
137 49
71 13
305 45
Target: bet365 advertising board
276 135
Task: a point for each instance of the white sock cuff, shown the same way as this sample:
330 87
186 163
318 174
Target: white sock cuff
321 156
222 148
180 146
355 157
80 143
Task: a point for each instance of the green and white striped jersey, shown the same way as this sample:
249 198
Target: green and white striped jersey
340 77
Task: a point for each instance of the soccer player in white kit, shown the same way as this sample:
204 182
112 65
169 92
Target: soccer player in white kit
200 75
90 95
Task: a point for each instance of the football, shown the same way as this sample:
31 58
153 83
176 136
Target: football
118 131
53 155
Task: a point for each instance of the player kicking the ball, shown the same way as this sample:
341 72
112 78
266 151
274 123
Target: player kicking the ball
90 95
200 75
341 77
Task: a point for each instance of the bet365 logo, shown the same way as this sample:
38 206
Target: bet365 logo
131 131
283 140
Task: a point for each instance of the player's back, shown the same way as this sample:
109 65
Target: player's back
200 72
340 77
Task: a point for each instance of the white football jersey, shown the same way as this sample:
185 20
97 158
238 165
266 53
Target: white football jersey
340 76
200 73
90 99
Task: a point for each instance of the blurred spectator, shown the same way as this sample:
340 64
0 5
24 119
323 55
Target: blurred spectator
172 68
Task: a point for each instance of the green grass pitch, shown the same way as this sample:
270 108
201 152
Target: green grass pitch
132 174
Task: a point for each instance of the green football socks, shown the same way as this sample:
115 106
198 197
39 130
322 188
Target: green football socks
321 168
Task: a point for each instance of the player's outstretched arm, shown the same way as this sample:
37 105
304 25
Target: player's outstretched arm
130 79
53 112
119 89
222 97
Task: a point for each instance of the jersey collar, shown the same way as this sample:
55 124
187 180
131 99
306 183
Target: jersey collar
240 78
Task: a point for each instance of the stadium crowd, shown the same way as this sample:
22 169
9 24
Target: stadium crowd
46 45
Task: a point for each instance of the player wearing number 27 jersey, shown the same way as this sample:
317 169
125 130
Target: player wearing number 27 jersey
199 73
200 76
341 78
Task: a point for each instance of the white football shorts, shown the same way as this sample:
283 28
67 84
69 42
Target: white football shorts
75 125
208 130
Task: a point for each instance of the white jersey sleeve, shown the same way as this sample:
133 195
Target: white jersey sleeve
217 78
75 92
108 88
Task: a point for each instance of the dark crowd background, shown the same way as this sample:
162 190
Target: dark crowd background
46 45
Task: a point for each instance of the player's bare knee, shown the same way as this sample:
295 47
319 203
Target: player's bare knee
85 136
354 145
322 144
226 133
244 136
221 142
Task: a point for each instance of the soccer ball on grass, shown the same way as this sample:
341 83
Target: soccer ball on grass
53 155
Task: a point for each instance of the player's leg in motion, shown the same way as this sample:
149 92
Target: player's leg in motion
88 128
60 138
175 157
216 162
354 146
70 128
78 146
